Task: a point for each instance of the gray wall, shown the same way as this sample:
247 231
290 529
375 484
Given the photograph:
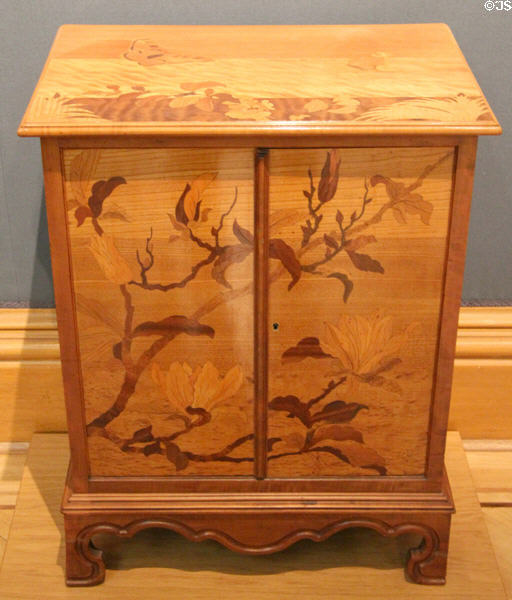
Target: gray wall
27 29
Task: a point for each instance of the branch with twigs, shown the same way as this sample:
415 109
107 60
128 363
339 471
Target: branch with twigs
134 367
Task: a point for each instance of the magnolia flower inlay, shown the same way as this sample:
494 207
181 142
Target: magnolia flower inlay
362 345
202 387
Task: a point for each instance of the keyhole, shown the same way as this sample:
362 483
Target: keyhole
275 326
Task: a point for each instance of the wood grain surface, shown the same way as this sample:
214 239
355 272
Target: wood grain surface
162 257
356 318
353 564
362 79
33 397
145 226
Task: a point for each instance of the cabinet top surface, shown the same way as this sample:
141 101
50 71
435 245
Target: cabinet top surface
187 80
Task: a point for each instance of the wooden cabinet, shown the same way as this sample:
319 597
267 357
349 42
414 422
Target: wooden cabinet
258 256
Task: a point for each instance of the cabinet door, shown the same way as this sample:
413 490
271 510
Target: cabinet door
358 241
162 270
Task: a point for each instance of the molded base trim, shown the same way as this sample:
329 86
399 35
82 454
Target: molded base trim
258 524
260 534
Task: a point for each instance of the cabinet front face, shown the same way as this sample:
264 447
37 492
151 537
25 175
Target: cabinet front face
358 240
162 265
162 249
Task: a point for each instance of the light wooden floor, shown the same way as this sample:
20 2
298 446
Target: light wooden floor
491 469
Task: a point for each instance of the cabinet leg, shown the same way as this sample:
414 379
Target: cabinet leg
84 562
427 563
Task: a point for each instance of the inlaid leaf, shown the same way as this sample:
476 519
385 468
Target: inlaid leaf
143 435
205 103
192 198
348 284
153 448
404 200
101 190
279 249
81 213
365 457
415 204
117 351
398 213
307 347
386 364
179 211
329 177
395 190
110 260
357 243
293 406
97 310
331 450
81 172
284 217
271 442
197 85
204 214
337 412
114 214
173 325
364 262
339 433
176 456
294 440
184 101
330 241
243 235
390 385
229 256
315 105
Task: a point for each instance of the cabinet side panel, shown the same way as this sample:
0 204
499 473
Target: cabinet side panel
162 255
459 223
357 259
66 311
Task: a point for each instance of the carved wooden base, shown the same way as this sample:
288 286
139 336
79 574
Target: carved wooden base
257 524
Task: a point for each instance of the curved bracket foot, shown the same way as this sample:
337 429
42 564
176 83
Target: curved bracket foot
426 564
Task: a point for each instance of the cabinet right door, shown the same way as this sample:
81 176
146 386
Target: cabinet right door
357 250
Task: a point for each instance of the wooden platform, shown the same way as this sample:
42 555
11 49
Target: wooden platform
159 564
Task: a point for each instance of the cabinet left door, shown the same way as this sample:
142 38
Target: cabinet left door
161 244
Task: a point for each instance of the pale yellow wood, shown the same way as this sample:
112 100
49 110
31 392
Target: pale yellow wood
13 447
492 473
355 564
481 317
6 515
27 318
494 498
31 399
481 404
12 461
11 467
484 343
499 525
350 79
17 344
487 445
3 545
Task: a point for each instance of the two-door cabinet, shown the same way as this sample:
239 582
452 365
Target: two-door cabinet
258 239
